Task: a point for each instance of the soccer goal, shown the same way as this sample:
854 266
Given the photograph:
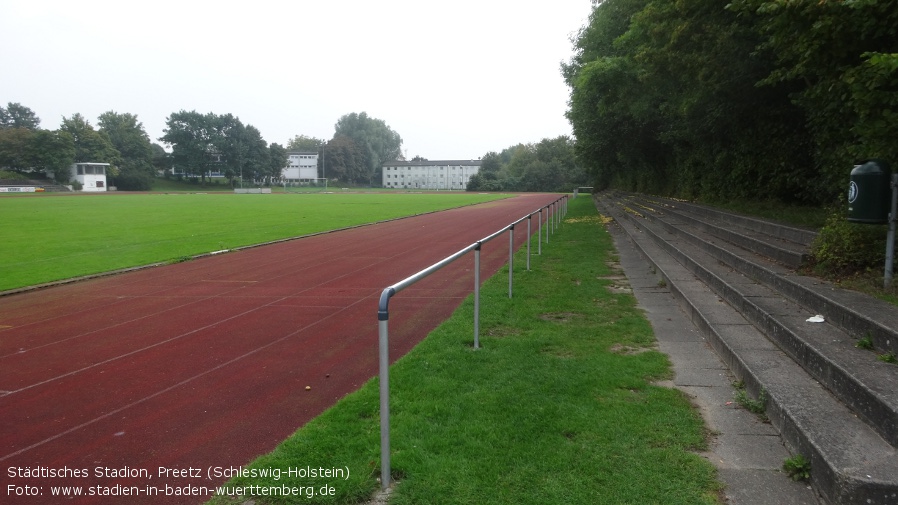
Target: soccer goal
316 185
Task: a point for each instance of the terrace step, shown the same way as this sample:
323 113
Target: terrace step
49 187
833 403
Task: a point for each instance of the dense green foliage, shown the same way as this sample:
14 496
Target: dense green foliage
845 248
754 99
16 115
362 145
25 148
203 144
305 143
548 165
126 134
90 144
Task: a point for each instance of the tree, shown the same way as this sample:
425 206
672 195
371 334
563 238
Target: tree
256 160
91 145
191 136
304 143
664 99
161 159
277 160
14 146
26 151
229 146
376 141
136 170
203 143
53 152
16 115
490 163
344 160
549 165
841 59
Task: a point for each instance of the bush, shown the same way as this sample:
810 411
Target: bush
844 248
12 176
133 181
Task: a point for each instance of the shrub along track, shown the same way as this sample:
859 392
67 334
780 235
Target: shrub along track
206 363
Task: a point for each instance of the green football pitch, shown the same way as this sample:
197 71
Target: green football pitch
49 238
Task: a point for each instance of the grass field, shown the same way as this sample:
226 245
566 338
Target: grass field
48 238
557 407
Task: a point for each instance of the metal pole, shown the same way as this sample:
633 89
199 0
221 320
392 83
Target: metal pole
548 223
383 341
477 296
890 239
510 257
539 234
528 241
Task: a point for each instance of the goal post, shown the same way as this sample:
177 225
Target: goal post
316 184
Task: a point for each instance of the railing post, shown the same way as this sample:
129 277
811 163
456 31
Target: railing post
510 257
548 221
539 234
528 241
554 216
890 235
477 296
383 316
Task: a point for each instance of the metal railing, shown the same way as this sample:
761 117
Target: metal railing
554 213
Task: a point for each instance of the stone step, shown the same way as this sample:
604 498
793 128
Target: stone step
851 461
764 238
827 353
857 314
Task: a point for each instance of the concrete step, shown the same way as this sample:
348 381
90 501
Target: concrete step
763 336
49 187
855 376
772 229
857 314
785 245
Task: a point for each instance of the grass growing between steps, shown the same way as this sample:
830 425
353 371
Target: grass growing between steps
557 407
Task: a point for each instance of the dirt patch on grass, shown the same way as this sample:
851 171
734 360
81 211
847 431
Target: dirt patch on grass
559 317
629 350
558 352
502 331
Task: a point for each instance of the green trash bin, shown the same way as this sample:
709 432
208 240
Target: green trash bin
870 193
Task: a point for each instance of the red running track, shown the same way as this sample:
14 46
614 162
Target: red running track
205 363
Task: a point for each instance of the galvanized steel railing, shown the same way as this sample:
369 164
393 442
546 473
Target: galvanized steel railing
554 212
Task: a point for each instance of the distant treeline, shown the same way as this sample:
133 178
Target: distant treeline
548 165
746 99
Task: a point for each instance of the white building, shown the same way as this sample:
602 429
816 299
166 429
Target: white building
92 176
429 175
301 167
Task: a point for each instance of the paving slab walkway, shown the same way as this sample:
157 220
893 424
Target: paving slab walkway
747 452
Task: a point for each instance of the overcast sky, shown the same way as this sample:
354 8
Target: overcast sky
454 79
